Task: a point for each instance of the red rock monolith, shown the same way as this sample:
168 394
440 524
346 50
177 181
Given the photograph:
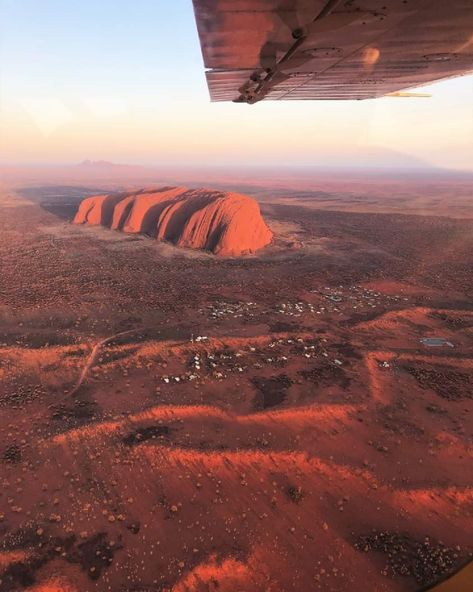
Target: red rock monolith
227 224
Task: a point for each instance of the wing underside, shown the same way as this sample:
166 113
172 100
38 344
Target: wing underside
337 49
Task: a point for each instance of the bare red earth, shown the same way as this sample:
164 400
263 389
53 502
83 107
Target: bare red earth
200 424
227 224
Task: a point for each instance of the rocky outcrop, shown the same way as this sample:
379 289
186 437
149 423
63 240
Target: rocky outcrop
97 209
145 209
227 224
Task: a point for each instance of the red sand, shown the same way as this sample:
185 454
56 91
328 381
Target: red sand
227 224
310 442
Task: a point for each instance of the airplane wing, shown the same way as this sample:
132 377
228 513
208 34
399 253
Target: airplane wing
331 49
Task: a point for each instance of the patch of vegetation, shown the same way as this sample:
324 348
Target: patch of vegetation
425 560
296 494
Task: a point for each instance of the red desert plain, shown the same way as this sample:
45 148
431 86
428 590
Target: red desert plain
292 414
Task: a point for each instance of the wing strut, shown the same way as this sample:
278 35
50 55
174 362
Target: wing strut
260 83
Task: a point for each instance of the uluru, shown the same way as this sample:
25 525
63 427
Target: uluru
224 223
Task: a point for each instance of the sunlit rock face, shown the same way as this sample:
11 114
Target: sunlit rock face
226 224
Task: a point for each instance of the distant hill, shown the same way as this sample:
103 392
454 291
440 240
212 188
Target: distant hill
105 165
97 163
381 157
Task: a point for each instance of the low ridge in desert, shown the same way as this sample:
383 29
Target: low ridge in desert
265 385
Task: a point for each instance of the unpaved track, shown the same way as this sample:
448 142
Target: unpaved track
93 356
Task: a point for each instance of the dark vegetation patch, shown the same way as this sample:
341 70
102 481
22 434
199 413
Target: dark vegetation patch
22 538
20 575
361 317
109 356
128 323
18 395
134 336
327 373
282 327
133 527
208 445
147 433
295 494
453 322
436 409
272 391
36 340
398 240
347 349
425 560
92 555
12 454
77 412
394 418
163 333
447 382
76 352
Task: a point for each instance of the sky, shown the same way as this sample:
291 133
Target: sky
123 80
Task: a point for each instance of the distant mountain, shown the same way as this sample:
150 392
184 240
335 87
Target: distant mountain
104 164
363 156
95 163
106 168
382 157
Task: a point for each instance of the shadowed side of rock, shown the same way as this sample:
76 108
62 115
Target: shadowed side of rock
227 224
101 209
97 209
146 209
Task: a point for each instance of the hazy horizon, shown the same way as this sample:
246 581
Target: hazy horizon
399 166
